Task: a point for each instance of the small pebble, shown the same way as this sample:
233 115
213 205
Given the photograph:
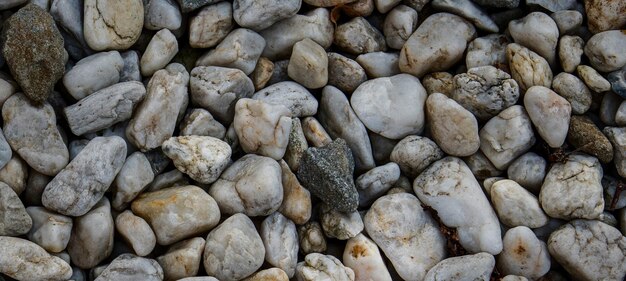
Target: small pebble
182 259
323 267
593 79
339 225
93 73
280 239
528 171
262 128
14 219
379 64
523 254
574 91
376 182
299 101
51 231
358 36
398 26
363 257
467 267
584 135
454 128
344 73
308 64
112 25
570 52
297 205
131 267
159 14
159 52
202 158
312 238
516 206
240 49
550 113
568 21
414 153
24 260
487 50
91 241
527 67
211 25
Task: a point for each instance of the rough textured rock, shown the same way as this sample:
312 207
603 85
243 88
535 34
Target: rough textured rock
586 136
453 127
240 49
603 15
262 127
130 267
24 260
527 67
570 52
358 36
323 267
339 225
112 24
258 15
209 26
295 97
202 158
414 153
487 50
200 122
311 238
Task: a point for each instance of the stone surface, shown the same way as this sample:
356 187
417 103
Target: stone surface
297 203
133 178
468 10
339 225
467 267
574 91
93 73
570 52
159 52
182 259
487 50
618 81
550 113
398 26
376 182
523 254
262 127
136 232
200 122
297 145
262 73
240 49
407 234
295 97
439 82
15 174
607 50
270 274
258 15
537 32
528 171
33 49
24 260
323 267
131 71
190 5
51 231
605 15
527 67
112 25
159 14
14 220
617 137
414 153
379 64
358 36
130 267
308 64
280 239
363 257
314 133
209 26
177 213
202 158
453 127
593 79
568 21
234 249
311 238
91 241
516 206
584 135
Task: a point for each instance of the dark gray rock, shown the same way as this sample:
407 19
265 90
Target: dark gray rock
190 5
327 173
618 81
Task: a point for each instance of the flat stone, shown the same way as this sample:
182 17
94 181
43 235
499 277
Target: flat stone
51 231
280 239
297 203
33 49
339 225
376 182
91 241
93 73
573 189
312 238
453 128
487 50
162 210
398 26
259 15
537 32
468 10
202 158
234 249
574 247
407 234
251 185
159 14
379 64
467 267
574 91
570 52
299 101
160 51
516 206
200 122
240 49
131 267
211 25
323 267
583 134
327 173
136 232
14 220
603 15
24 260
527 67
450 180
112 25
607 50
183 259
523 254
593 79
308 64
528 171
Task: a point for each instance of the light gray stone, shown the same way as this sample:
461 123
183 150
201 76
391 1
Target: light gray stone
240 49
358 36
523 254
340 225
516 206
202 158
376 182
160 51
5 151
468 10
398 26
606 50
487 50
133 178
568 21
93 73
15 174
308 64
617 137
537 32
527 67
299 101
574 91
14 219
91 241
24 260
453 128
136 232
593 79
379 64
259 15
323 267
280 239
51 231
159 14
311 238
528 171
414 153
481 166
211 25
570 52
550 113
467 267
130 267
200 122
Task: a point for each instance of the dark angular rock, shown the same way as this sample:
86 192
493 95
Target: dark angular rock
33 48
327 173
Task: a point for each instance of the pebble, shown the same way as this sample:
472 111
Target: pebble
104 108
30 39
574 91
311 238
607 50
603 15
609 107
51 231
323 267
240 49
523 254
439 82
190 5
467 267
262 73
270 274
159 52
414 153
379 64
499 3
177 213
24 260
398 26
593 79
358 36
314 133
259 15
617 137
131 267
11 3
450 180
262 128
131 71
217 89
620 115
487 50
293 96
15 174
575 246
363 257
454 128
376 182
202 158
339 225
436 45
568 21
281 36
200 122
340 121
528 170
211 25
618 81
32 132
91 241
112 25
573 189
344 73
516 206
136 232
584 135
182 259
280 239
8 87
550 113
468 10
527 67
297 145
327 3
154 120
93 73
327 173
480 166
296 205
485 91
159 14
384 6
251 185
537 32
570 52
407 234
234 249
610 185
308 64
14 219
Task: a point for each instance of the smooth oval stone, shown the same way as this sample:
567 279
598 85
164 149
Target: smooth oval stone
376 182
82 183
155 119
280 239
211 25
550 113
251 185
516 206
159 52
574 91
240 49
575 246
607 50
593 79
112 24
363 257
527 67
436 45
407 234
202 158
297 99
467 267
234 249
159 14
605 15
262 127
259 15
392 106
32 132
339 225
130 267
570 52
528 171
93 73
24 260
487 50
453 127
414 153
91 241
323 267
573 189
177 213
297 205
14 219
33 49
136 232
379 64
450 180
468 10
308 64
311 238
182 259
507 136
358 36
51 231
398 26
523 254
537 32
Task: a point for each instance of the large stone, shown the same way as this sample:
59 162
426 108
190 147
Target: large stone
33 49
14 220
202 158
112 24
603 15
527 67
523 254
24 260
240 49
607 50
280 239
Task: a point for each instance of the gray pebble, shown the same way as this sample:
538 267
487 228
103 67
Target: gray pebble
51 231
618 81
190 5
340 225
568 21
376 182
93 73
468 10
200 122
528 171
136 232
14 220
570 52
468 267
91 241
537 32
15 174
379 64
312 238
516 206
131 71
240 49
134 176
550 113
358 36
607 50
5 151
299 101
24 260
280 239
574 91
259 15
130 267
487 50
183 259
480 166
609 108
398 26
162 48
308 64
159 14
211 25
167 179
414 153
36 184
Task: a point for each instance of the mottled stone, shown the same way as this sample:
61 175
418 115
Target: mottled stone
550 113
453 128
617 137
487 50
468 10
159 14
308 64
136 232
603 15
14 220
570 52
523 254
358 36
439 82
574 91
15 174
339 225
202 158
481 166
527 67
323 267
312 238
280 239
528 171
314 133
259 15
593 79
200 122
51 231
516 206
297 99
24 260
112 24
568 21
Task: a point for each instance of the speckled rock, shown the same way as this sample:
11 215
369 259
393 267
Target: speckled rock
603 15
14 220
527 67
200 122
584 134
159 14
15 174
453 127
190 5
130 267
339 225
570 52
523 254
593 79
467 267
550 113
24 260
112 25
323 267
